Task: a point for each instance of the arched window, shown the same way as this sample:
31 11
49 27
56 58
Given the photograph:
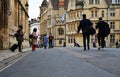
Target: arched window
60 31
91 1
97 1
102 13
115 1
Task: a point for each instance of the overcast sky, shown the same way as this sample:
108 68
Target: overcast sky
34 8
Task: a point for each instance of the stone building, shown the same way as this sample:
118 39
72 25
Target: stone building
52 20
12 14
109 10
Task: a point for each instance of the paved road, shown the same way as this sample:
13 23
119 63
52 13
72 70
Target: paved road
67 62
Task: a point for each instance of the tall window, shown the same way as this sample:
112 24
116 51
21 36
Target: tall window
118 1
68 39
102 13
60 42
112 25
61 31
115 1
112 12
94 14
97 1
91 1
112 38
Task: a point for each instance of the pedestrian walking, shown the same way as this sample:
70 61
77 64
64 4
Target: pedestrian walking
64 44
19 37
117 44
85 24
74 42
103 32
45 41
34 39
104 44
51 40
30 39
94 43
38 41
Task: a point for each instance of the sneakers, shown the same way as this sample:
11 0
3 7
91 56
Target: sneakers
99 47
102 49
20 51
88 48
84 49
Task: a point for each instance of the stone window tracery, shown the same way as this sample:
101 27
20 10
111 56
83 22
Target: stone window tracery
60 31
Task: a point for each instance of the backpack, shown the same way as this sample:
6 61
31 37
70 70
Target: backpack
30 36
19 36
106 30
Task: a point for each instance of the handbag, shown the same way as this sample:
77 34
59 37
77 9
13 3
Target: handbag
91 30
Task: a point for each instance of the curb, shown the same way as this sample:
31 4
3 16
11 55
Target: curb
6 62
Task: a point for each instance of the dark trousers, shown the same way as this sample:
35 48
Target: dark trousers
86 37
101 41
94 45
50 43
19 45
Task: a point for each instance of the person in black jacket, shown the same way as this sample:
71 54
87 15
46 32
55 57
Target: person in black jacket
102 26
84 25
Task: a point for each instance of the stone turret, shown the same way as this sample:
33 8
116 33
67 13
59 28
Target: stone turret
44 3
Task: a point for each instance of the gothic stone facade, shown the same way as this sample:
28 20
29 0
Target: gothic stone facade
12 14
108 9
50 20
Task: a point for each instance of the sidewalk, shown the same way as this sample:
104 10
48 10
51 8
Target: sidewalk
7 57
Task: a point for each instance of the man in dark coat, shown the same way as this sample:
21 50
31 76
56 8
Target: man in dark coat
84 25
102 26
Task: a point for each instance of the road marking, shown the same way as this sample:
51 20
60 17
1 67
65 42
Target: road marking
14 61
10 64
